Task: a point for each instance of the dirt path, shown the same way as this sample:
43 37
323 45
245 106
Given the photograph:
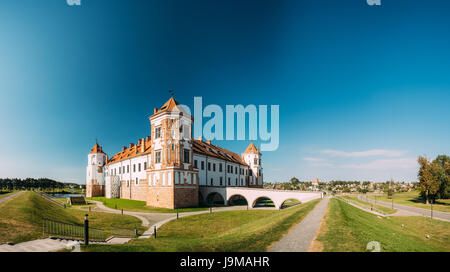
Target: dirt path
300 237
10 197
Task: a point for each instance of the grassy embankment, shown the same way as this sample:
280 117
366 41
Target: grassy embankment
367 205
413 199
21 218
243 230
349 229
139 206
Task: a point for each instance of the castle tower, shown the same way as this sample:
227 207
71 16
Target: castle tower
94 172
173 181
252 157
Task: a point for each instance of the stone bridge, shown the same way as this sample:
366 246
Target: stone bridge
252 195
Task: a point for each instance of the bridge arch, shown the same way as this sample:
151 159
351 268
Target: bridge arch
237 200
215 198
263 199
289 202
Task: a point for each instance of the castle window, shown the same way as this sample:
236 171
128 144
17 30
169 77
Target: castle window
203 165
195 163
229 182
186 156
157 132
220 167
256 161
123 169
134 167
236 182
214 167
128 169
221 179
128 183
139 167
145 165
235 170
211 181
120 170
137 182
209 166
158 157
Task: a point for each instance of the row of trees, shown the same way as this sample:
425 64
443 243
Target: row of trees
338 186
434 177
10 184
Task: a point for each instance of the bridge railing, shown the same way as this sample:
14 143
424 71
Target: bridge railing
50 198
367 206
71 231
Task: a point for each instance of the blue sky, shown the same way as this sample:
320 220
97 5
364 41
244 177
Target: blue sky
363 90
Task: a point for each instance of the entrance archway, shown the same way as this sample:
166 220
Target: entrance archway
214 199
237 200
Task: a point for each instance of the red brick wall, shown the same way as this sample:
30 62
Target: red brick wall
134 192
139 192
160 197
186 197
93 190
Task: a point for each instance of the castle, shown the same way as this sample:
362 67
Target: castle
167 168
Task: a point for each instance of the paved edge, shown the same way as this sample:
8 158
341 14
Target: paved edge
301 236
439 215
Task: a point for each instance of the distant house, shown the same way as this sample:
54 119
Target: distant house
315 182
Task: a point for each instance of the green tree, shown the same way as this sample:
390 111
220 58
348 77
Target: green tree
294 181
428 181
443 176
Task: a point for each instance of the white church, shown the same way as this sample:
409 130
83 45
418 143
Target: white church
167 168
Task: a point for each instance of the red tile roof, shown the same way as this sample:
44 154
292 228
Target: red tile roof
199 147
136 150
251 149
207 149
168 106
96 149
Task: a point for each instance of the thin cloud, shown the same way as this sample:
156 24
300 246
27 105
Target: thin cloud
311 159
322 164
367 153
405 163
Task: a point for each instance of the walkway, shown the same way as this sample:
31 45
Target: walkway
10 196
40 245
412 211
153 220
300 237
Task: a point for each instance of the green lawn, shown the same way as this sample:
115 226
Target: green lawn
349 229
140 206
252 230
412 199
290 202
367 205
21 218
